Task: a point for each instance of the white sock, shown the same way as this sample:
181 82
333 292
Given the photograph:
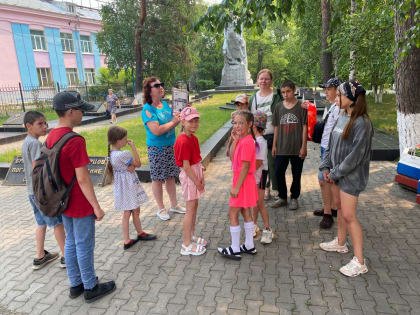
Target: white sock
235 232
249 234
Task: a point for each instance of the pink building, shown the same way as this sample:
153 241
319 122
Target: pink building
47 42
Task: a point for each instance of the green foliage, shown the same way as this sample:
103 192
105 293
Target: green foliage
202 85
164 40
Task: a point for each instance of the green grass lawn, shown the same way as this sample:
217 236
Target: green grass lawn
384 116
48 113
212 118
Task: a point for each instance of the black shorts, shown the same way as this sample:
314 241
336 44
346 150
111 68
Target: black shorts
263 180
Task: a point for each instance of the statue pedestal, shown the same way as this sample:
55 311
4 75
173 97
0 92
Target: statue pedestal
235 76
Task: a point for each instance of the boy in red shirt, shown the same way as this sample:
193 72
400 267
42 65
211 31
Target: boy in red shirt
83 208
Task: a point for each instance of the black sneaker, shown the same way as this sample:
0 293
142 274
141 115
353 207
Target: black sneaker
77 290
320 212
146 237
99 290
41 262
326 222
62 262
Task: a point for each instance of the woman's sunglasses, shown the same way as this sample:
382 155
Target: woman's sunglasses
158 85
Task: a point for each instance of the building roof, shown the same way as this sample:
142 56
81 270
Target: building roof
54 7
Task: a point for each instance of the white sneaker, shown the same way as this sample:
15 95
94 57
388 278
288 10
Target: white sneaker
267 236
354 268
178 209
333 246
275 195
293 204
256 230
163 214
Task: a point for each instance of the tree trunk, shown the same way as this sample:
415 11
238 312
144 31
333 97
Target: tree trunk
381 93
260 59
375 92
326 57
139 52
407 82
352 75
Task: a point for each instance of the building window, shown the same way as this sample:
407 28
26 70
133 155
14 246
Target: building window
71 8
72 77
90 76
44 77
67 42
86 44
38 40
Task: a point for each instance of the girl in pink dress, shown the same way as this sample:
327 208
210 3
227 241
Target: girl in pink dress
244 193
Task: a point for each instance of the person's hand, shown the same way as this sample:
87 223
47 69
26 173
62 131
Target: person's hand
234 192
305 104
200 187
131 168
99 213
130 142
176 119
303 152
274 151
327 177
235 135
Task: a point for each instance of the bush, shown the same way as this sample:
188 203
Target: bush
205 85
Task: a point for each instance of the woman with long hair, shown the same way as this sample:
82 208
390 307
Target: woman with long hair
346 166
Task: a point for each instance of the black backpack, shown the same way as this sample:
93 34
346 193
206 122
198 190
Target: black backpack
51 192
319 129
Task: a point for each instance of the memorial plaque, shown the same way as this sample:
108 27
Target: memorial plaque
128 101
97 171
16 174
97 106
15 120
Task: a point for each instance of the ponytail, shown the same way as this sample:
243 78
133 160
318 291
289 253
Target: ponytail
109 169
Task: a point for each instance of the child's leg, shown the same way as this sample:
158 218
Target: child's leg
60 236
194 217
125 226
248 227
262 208
281 166
40 239
297 165
136 220
255 211
235 228
189 218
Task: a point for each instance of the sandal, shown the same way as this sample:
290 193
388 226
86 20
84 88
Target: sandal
229 253
191 250
199 241
251 251
128 245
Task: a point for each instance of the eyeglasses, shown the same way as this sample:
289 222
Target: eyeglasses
158 85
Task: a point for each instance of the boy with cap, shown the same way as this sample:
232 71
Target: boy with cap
83 207
261 174
330 201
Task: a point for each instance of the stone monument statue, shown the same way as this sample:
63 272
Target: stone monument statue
235 70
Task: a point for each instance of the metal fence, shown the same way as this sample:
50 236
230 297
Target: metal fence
19 97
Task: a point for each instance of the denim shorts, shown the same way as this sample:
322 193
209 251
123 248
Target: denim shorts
42 219
320 175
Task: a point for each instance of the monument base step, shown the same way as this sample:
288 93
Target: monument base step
235 88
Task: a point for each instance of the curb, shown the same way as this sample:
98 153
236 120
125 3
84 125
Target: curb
209 150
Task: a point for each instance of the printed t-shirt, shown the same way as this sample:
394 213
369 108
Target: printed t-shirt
187 148
261 154
263 104
31 150
73 155
244 151
290 123
162 116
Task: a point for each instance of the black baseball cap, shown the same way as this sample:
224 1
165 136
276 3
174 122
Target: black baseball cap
70 100
333 82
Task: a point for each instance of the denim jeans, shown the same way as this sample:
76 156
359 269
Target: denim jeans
79 247
282 161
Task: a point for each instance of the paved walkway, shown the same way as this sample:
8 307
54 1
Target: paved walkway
290 276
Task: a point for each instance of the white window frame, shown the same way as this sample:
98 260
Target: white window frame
72 76
38 40
86 44
90 76
44 77
67 43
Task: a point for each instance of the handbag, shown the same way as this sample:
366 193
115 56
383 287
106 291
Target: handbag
319 129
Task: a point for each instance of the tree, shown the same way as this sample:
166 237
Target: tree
139 52
407 72
326 56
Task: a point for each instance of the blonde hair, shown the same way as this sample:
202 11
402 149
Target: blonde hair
265 71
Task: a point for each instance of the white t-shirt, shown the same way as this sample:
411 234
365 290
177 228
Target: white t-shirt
263 104
261 154
332 118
